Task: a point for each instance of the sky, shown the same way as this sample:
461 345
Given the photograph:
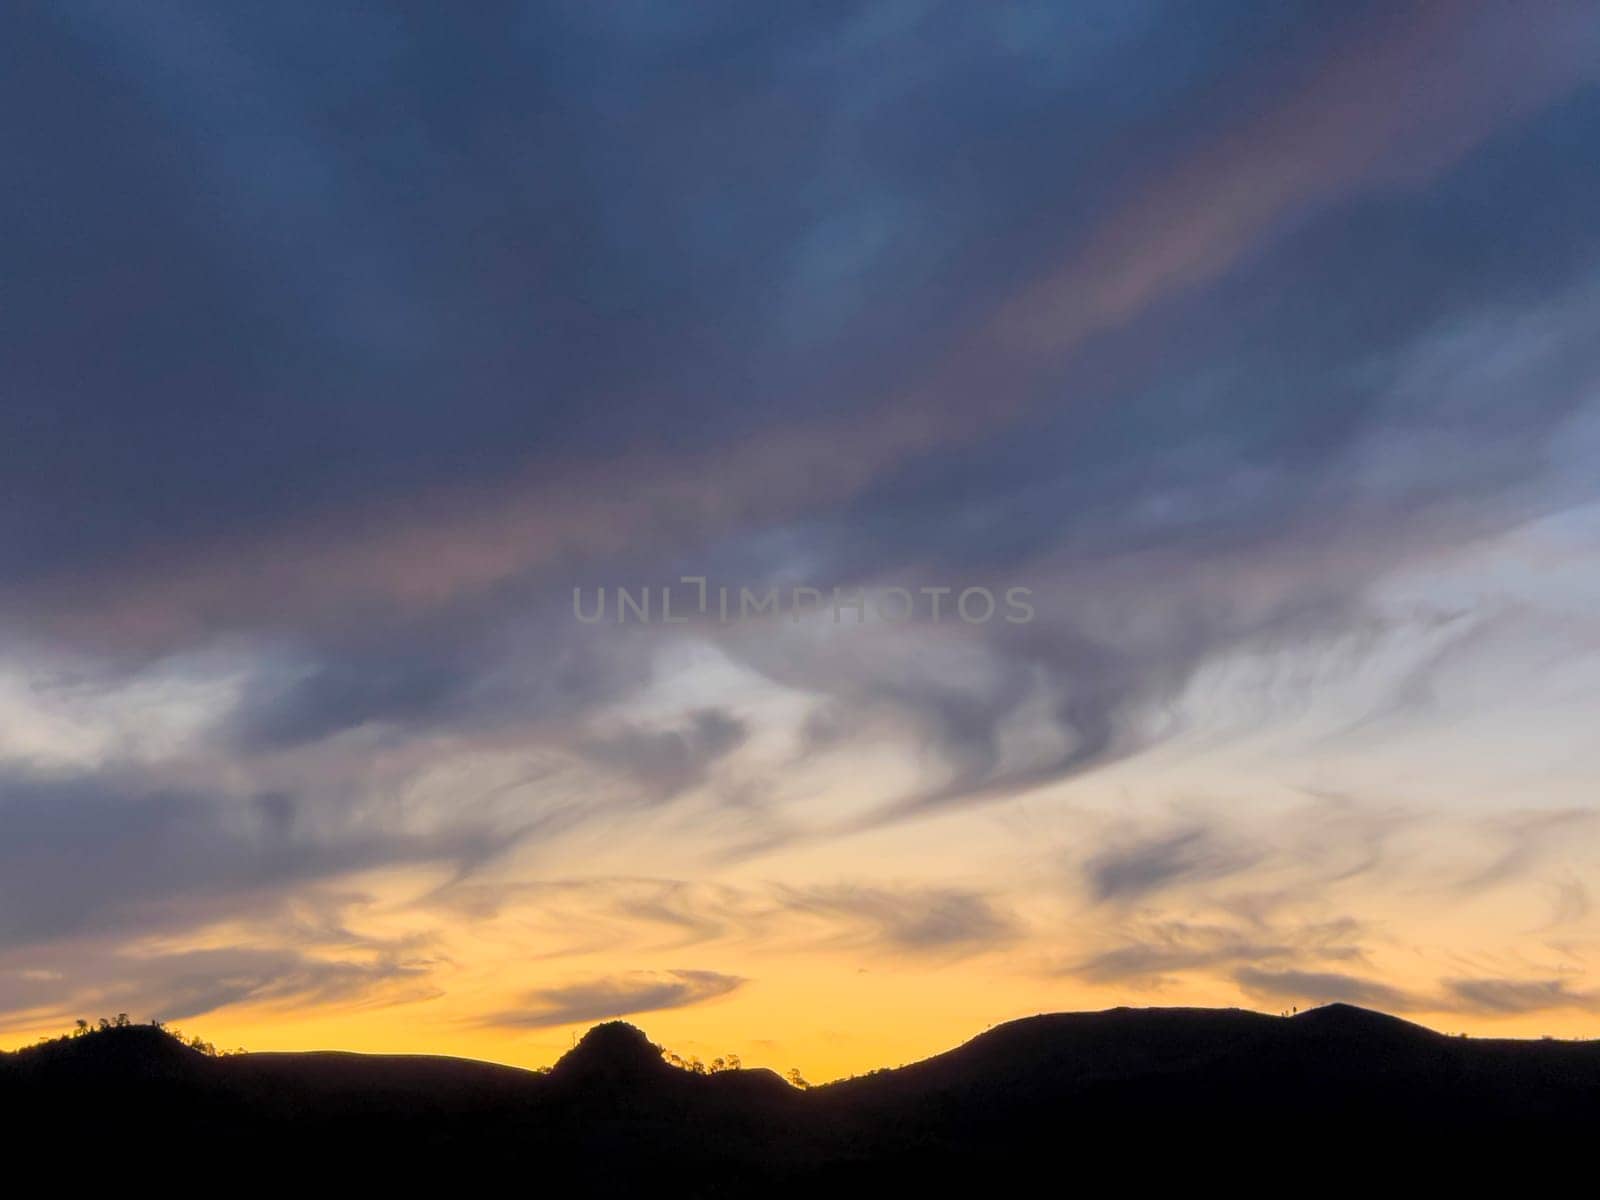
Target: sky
1225 373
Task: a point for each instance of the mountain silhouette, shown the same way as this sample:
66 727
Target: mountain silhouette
1168 1087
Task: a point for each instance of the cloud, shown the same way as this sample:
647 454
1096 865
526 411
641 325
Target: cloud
1571 904
1349 127
1323 987
441 534
1522 843
191 983
1150 963
667 761
1158 952
872 918
104 854
913 920
1508 997
615 996
1136 870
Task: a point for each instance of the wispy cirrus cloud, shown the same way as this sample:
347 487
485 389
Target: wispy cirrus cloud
905 920
1135 871
1515 996
178 985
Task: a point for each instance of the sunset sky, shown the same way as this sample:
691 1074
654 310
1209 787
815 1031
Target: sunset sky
339 344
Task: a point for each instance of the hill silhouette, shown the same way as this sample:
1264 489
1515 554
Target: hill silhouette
612 1116
612 1054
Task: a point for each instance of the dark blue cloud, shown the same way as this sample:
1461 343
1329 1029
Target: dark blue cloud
264 265
377 330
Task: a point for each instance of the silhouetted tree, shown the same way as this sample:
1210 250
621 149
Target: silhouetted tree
728 1062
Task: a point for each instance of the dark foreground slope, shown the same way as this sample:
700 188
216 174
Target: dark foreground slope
1155 1093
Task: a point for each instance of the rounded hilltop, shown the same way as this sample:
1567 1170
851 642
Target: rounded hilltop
614 1050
